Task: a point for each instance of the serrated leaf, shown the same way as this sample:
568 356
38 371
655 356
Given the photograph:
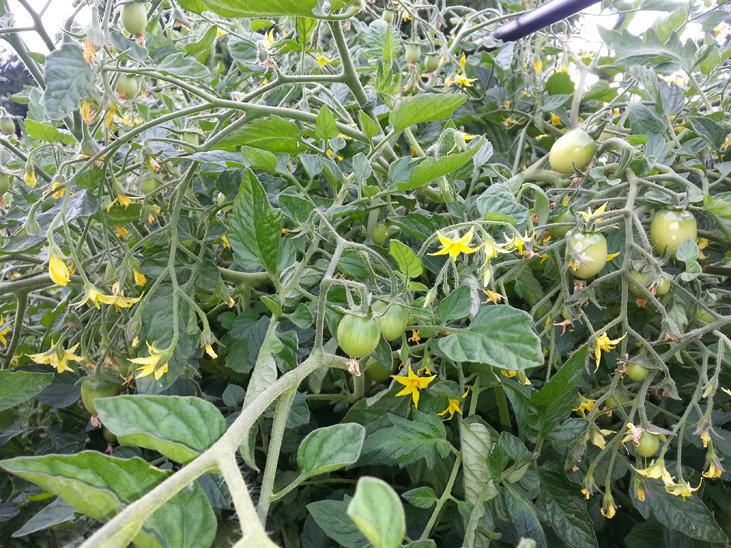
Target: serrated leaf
408 441
563 507
179 427
378 513
523 515
421 497
456 305
178 64
19 386
557 397
50 134
326 126
406 260
69 80
430 170
426 107
255 227
332 518
501 336
330 448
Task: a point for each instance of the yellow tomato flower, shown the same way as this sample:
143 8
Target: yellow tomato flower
92 294
608 508
492 297
537 65
682 489
713 471
57 270
149 364
588 214
30 178
225 241
121 231
605 344
596 436
90 50
657 470
211 352
140 278
452 408
120 301
584 406
87 115
454 247
322 60
459 79
413 384
705 437
555 120
57 357
268 40
3 332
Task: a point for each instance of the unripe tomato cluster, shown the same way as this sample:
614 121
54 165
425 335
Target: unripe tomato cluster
358 336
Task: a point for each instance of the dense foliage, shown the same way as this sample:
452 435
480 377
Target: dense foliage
302 273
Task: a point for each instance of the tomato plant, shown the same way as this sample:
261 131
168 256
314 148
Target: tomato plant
227 210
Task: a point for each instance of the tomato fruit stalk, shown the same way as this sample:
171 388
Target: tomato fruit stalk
575 148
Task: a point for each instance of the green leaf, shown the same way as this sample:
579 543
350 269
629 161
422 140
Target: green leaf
100 486
59 511
426 107
408 441
19 386
710 130
270 8
50 134
274 134
476 445
255 227
369 126
378 513
456 305
558 396
259 159
501 336
522 514
192 5
689 516
194 48
69 80
332 518
179 427
421 497
429 170
408 263
326 126
644 120
185 67
562 506
330 448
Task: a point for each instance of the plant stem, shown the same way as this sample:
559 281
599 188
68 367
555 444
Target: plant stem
443 499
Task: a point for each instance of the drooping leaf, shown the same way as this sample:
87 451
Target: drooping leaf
378 513
330 448
69 80
430 169
19 386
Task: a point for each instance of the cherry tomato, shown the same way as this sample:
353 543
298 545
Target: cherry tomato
413 53
128 86
637 372
7 125
192 138
669 228
4 183
374 371
575 148
591 248
149 185
663 286
134 17
560 231
702 316
108 436
388 16
93 388
644 279
393 323
648 444
431 63
358 336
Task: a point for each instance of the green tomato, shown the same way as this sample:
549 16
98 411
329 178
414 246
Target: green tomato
358 336
393 323
592 248
93 388
648 444
108 436
4 183
413 53
575 148
669 228
637 372
128 86
663 286
702 316
611 403
560 231
191 138
149 185
431 63
7 125
637 280
388 16
379 233
376 372
134 17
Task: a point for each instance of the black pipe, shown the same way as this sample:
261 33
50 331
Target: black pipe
536 19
